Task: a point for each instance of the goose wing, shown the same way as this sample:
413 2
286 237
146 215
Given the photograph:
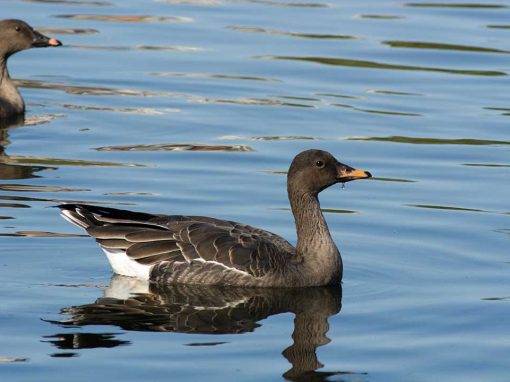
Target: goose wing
151 239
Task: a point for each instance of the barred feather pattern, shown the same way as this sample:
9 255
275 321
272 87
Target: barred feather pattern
188 249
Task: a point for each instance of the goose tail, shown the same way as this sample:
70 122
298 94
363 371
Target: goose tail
95 219
77 215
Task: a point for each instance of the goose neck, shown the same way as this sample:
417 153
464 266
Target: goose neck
312 229
9 94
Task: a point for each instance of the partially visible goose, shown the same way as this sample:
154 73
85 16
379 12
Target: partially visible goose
16 35
204 250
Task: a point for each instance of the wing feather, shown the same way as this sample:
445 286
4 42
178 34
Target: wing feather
140 250
188 251
144 235
151 239
165 256
111 231
114 243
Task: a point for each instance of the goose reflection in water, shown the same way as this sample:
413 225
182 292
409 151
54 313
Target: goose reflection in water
8 168
133 304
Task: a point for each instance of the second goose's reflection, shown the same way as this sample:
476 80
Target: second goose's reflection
136 305
9 169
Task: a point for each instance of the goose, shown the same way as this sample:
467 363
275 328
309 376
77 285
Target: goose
171 249
15 36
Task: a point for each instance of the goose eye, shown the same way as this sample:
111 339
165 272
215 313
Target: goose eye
18 28
319 164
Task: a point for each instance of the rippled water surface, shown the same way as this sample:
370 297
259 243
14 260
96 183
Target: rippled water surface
197 107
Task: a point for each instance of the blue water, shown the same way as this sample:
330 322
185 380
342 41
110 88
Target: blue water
197 107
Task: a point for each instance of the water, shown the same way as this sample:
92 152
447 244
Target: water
197 107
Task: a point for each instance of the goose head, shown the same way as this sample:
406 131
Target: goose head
17 35
312 171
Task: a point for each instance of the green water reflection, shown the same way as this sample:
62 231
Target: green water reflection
431 141
456 5
440 46
379 65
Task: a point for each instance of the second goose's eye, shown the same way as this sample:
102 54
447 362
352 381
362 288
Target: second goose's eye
319 163
18 28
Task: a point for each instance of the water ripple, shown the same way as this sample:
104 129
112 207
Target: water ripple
60 201
393 92
172 48
441 46
215 76
287 3
14 205
276 32
177 147
431 141
499 26
129 110
393 180
486 165
105 91
361 285
374 111
333 95
10 171
456 5
12 359
89 90
17 159
131 193
251 101
269 138
347 62
505 110
41 119
496 298
35 188
193 2
380 17
70 31
448 208
127 19
72 2
283 138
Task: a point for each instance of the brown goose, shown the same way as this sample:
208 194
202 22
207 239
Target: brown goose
16 35
204 250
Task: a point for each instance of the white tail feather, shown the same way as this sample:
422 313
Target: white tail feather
123 265
119 261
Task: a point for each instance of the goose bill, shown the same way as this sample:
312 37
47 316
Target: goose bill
346 174
41 41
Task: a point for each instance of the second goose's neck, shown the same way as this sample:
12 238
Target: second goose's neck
10 99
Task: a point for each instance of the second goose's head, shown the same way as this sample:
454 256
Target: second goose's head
17 35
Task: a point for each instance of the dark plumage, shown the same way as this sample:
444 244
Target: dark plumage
204 250
15 36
